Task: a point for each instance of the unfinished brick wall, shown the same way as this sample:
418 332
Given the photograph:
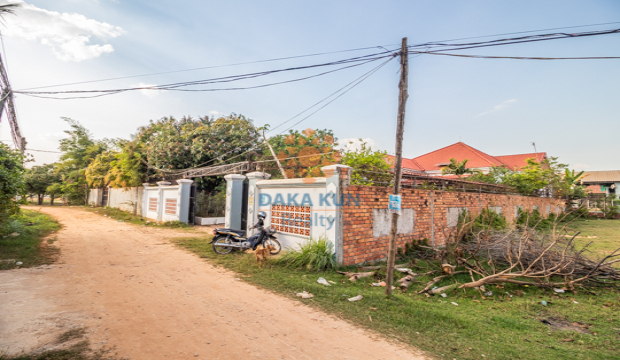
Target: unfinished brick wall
431 211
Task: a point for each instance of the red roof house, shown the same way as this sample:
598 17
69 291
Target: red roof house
432 162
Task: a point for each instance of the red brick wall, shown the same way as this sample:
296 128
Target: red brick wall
359 245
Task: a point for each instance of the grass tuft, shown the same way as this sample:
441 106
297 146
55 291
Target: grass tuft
25 241
313 255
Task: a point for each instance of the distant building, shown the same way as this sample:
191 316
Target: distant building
430 164
602 182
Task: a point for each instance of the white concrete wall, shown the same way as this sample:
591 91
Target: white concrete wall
172 201
126 199
95 196
321 195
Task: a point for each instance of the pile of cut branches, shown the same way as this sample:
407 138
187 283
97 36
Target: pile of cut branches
534 258
525 256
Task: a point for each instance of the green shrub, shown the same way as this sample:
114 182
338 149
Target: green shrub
414 249
313 255
489 219
174 224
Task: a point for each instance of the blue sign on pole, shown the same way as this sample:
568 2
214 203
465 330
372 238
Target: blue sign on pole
395 204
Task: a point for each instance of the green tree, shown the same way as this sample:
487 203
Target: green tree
369 167
458 168
97 173
302 154
53 191
78 150
169 144
38 178
11 183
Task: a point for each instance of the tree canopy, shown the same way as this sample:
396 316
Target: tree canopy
369 167
302 154
11 183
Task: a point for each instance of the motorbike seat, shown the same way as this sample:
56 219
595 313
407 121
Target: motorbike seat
233 231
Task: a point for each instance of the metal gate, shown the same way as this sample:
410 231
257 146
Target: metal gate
192 203
104 197
244 206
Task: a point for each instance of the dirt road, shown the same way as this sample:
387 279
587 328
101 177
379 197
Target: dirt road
135 291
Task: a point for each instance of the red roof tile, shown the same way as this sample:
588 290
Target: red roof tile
519 161
459 151
408 164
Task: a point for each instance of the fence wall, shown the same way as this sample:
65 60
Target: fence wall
426 214
298 209
126 199
163 202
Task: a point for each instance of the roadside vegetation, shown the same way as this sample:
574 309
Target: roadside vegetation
125 216
499 320
27 241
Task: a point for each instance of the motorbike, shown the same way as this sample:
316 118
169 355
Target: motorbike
226 240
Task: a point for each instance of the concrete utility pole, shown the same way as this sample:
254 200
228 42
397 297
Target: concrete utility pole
7 101
274 156
398 160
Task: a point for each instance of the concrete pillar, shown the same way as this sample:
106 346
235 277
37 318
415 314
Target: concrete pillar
253 195
160 199
183 203
338 177
145 199
234 199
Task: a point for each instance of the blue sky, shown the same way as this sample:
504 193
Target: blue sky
569 108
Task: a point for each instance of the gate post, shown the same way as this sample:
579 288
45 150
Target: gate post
160 199
184 199
234 199
253 196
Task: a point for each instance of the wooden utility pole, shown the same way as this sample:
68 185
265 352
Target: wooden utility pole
274 156
402 101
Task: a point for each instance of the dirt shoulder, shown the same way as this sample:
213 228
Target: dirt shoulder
135 291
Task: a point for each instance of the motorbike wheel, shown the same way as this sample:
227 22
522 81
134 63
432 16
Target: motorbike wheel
275 243
222 250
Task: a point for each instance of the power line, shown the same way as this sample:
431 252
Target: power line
342 91
306 55
356 61
519 32
205 67
519 57
47 151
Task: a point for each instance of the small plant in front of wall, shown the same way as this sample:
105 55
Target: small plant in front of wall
312 255
489 219
416 249
174 224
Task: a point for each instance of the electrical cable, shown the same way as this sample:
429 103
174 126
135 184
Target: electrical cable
204 68
48 151
350 86
519 32
307 55
519 57
174 86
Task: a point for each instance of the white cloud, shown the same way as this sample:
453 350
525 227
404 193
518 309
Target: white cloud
354 144
68 35
499 107
214 113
